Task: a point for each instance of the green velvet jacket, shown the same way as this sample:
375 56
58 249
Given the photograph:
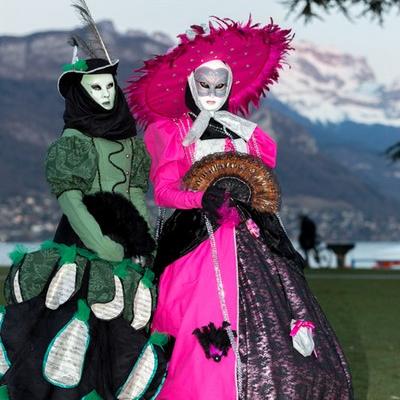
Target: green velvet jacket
77 165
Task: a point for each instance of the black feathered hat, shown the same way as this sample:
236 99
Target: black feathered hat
97 60
74 72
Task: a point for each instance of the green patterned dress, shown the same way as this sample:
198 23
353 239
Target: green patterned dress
77 315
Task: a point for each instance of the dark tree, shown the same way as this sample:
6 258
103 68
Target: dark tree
393 152
310 9
375 9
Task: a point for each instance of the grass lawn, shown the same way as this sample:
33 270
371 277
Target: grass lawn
366 317
365 312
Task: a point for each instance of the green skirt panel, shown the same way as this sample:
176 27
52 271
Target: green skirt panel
113 289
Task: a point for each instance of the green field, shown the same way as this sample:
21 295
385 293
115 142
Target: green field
363 307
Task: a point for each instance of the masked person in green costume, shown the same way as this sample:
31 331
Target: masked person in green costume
75 326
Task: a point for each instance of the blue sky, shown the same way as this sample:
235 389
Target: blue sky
362 38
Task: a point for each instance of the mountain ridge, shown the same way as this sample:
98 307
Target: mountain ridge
327 86
346 203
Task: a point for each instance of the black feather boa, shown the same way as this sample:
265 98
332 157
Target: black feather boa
120 220
214 341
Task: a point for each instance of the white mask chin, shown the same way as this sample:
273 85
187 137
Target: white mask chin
210 85
101 88
211 103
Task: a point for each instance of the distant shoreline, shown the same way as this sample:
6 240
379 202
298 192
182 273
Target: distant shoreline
364 255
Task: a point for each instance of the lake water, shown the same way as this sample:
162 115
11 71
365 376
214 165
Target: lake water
364 254
6 248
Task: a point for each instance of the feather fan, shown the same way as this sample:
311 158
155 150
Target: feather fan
246 177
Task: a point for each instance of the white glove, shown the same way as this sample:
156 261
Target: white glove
302 336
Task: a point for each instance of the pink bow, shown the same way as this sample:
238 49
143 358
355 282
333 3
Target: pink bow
253 228
299 324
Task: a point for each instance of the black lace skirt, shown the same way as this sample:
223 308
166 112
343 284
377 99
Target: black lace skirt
272 292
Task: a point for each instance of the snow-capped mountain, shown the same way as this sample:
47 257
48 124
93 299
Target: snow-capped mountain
334 172
327 85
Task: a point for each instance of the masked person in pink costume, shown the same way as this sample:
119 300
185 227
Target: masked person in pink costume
231 288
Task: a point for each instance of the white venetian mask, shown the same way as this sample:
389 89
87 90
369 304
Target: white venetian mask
210 85
101 88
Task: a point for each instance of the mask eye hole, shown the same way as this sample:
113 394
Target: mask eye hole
110 85
96 87
220 86
205 85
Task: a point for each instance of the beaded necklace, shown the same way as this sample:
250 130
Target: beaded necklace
220 284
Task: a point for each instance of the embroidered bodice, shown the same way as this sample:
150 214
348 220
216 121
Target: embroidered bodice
171 160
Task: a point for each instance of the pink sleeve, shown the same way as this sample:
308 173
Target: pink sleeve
168 166
266 145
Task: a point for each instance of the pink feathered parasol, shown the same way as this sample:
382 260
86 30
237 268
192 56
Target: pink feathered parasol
254 53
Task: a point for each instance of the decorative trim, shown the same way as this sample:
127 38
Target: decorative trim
115 307
121 269
148 346
141 307
17 288
159 387
4 393
62 286
90 255
222 300
81 317
63 250
4 357
116 166
214 341
17 257
93 395
131 169
67 254
18 254
237 313
206 147
148 278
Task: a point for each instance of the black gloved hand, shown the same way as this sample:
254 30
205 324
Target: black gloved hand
212 200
